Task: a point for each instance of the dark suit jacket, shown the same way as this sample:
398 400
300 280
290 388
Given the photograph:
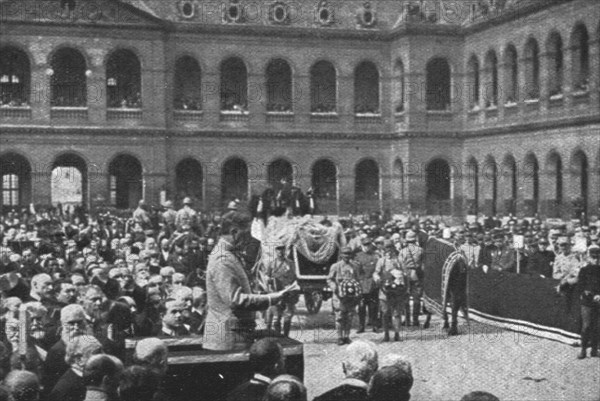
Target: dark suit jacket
252 390
69 388
54 365
344 392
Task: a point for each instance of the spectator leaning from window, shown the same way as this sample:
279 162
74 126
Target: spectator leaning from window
266 362
359 363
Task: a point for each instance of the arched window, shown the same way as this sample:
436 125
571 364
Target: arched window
438 84
580 58
188 84
532 69
511 83
279 86
69 180
234 180
366 88
16 180
323 88
366 185
15 76
234 85
68 82
473 78
125 181
324 179
491 79
189 179
124 80
398 85
554 49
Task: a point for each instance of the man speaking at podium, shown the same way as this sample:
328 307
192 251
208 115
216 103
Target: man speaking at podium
230 320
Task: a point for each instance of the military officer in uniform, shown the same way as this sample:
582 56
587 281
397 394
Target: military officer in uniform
186 215
589 284
280 273
366 260
392 294
344 309
411 261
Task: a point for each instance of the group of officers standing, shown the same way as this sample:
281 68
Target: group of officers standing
374 282
383 281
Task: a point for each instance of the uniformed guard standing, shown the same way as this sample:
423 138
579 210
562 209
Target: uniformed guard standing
280 273
343 307
393 295
589 284
366 260
411 261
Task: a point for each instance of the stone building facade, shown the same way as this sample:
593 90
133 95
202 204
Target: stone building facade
438 107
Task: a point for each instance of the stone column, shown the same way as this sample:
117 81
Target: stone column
96 87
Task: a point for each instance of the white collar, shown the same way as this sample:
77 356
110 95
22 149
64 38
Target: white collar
261 378
354 382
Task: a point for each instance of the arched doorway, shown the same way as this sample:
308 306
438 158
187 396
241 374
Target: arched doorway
234 180
509 184
554 187
325 186
16 180
69 185
472 187
125 181
490 176
366 185
324 179
438 187
189 179
531 190
278 171
579 183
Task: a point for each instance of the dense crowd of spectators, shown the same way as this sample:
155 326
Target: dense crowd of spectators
75 286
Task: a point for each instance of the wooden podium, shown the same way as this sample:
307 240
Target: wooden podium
196 374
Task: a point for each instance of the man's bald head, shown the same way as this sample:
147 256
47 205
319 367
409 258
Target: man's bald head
266 357
22 385
152 352
103 370
286 388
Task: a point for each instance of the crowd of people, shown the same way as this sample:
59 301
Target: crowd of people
75 286
367 377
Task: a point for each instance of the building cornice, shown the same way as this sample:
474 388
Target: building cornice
170 133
